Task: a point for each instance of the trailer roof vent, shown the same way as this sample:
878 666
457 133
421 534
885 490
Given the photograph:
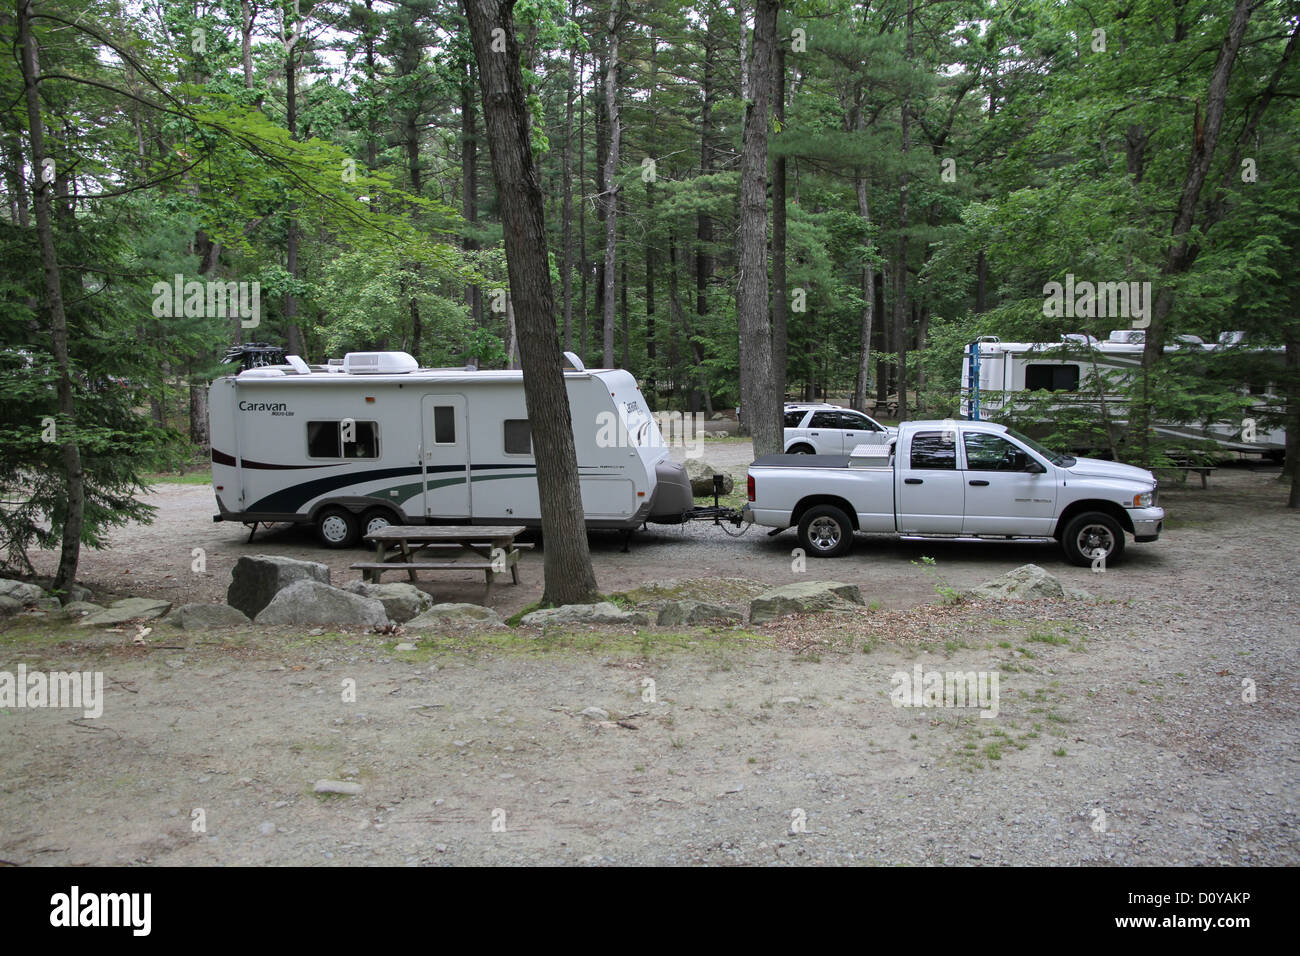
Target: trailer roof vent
1231 338
574 362
1128 336
379 363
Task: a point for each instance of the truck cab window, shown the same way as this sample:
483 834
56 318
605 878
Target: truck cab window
986 452
518 437
934 450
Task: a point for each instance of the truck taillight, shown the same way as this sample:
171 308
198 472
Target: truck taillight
750 487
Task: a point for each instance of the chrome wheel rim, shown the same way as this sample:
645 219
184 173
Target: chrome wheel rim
377 523
334 529
1094 538
824 533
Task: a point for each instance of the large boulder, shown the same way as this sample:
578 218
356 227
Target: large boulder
803 597
401 601
1028 582
200 617
677 613
602 613
10 605
74 593
701 473
311 602
127 609
455 615
21 591
257 578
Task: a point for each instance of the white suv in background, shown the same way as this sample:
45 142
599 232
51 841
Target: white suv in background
821 429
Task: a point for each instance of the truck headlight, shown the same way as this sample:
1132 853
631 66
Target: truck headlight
1144 500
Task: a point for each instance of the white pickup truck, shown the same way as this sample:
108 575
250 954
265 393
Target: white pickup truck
960 479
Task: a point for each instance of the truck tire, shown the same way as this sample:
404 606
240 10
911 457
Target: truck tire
337 528
802 450
1089 532
825 532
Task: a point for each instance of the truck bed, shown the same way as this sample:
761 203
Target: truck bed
819 461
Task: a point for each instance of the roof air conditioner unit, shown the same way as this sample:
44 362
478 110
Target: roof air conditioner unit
379 363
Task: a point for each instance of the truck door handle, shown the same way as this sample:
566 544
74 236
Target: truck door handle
979 481
913 481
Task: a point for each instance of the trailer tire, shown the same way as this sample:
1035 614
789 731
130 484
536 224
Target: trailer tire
377 518
1089 532
337 528
825 532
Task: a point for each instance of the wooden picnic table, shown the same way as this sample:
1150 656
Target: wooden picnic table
456 548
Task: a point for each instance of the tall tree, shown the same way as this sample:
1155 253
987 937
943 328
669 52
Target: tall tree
760 392
568 572
70 555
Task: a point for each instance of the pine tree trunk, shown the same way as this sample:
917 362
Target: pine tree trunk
759 391
70 553
569 578
566 213
779 302
868 301
609 186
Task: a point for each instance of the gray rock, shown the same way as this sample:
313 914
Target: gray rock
81 609
701 473
602 613
48 604
337 786
266 829
311 602
455 615
401 601
256 579
405 646
803 597
127 609
10 605
200 617
1028 582
676 613
596 713
21 591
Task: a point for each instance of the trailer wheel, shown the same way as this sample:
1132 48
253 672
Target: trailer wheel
337 528
825 532
375 520
1090 533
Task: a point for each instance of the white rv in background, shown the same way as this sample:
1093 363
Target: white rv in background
375 440
994 373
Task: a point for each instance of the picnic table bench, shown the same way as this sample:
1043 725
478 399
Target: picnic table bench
454 547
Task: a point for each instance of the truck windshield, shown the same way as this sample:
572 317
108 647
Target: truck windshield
1055 457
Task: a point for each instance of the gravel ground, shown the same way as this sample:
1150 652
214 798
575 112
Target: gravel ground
1122 735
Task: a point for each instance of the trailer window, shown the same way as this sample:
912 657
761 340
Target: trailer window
330 440
518 437
934 450
1052 378
444 424
365 440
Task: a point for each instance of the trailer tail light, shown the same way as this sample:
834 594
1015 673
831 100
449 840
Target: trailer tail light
750 487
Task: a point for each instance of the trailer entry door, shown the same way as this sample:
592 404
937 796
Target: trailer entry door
445 457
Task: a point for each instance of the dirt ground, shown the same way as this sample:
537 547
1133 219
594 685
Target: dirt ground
1124 734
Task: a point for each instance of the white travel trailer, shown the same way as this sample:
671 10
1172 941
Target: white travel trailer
994 373
373 440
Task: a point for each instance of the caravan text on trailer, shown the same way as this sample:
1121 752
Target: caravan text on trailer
376 440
